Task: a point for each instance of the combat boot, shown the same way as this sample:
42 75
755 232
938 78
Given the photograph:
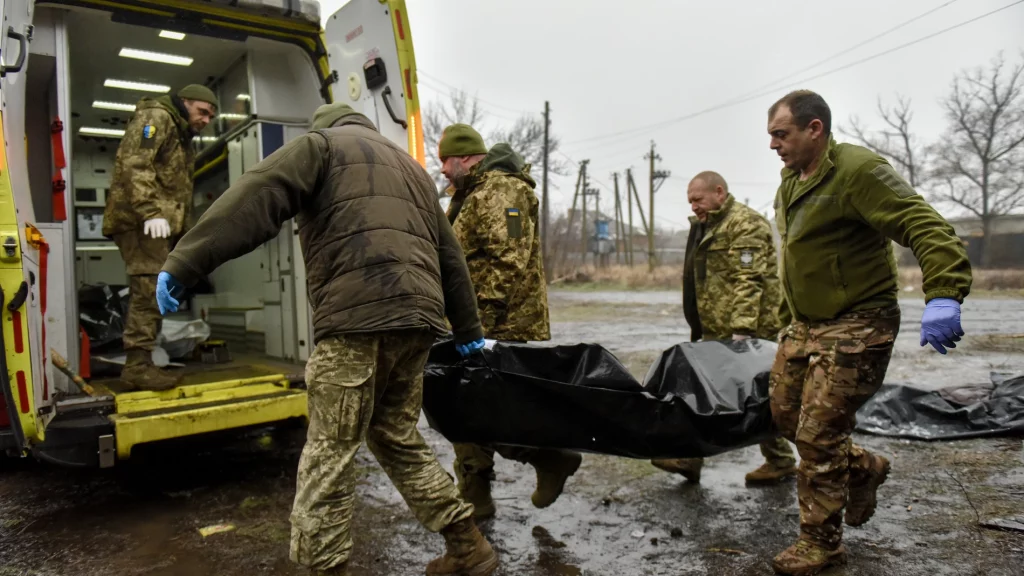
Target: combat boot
553 469
771 472
806 559
140 373
689 468
476 489
864 491
467 553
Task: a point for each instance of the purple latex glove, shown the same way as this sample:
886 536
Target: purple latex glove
940 324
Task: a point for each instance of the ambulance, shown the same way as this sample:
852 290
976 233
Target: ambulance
71 72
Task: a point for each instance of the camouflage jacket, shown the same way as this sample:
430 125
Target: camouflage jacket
495 218
731 276
153 170
379 252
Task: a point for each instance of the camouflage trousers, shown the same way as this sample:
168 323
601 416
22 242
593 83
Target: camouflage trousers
365 387
822 374
143 257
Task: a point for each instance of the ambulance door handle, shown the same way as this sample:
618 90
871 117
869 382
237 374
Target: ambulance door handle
22 52
386 97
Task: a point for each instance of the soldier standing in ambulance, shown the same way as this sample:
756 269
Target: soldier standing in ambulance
149 203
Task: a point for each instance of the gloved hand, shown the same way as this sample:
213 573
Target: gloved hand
940 324
474 346
165 285
157 228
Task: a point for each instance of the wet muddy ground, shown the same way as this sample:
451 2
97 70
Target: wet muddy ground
618 517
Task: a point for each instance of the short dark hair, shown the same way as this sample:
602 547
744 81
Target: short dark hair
805 106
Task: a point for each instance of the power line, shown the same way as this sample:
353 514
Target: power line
486 109
420 72
731 103
849 49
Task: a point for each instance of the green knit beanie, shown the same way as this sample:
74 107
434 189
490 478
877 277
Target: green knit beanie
328 114
199 93
460 140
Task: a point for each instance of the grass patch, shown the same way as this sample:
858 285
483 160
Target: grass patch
618 277
986 283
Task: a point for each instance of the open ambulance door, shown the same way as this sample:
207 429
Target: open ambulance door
26 399
369 46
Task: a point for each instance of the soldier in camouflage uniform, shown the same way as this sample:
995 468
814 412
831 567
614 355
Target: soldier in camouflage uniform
148 207
494 213
838 209
383 270
730 291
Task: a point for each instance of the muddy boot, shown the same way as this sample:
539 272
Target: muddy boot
772 472
689 468
467 552
140 373
806 559
553 469
476 489
864 492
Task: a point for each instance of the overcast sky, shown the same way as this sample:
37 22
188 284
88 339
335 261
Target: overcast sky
608 67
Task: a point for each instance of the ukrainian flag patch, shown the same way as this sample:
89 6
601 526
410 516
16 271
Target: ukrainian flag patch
513 223
148 131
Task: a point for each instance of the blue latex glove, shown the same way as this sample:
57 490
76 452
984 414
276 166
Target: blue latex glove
467 349
940 324
168 290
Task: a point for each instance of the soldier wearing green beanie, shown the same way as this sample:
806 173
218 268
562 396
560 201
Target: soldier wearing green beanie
494 213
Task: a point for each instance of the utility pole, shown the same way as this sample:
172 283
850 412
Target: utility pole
583 230
629 202
544 189
658 176
597 202
636 195
572 211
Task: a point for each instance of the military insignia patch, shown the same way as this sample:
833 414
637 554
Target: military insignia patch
746 258
148 136
513 223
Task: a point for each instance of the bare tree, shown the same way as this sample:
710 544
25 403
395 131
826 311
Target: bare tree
980 158
895 141
525 134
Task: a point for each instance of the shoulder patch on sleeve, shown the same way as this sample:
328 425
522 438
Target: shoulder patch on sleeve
888 176
746 258
148 136
513 223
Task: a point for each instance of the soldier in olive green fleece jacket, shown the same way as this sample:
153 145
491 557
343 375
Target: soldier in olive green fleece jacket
383 269
838 209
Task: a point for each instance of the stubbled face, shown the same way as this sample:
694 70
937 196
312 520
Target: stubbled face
200 114
796 147
455 169
704 199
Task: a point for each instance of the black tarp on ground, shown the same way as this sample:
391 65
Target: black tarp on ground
699 399
946 414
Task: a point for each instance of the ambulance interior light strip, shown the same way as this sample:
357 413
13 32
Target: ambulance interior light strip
114 106
90 131
138 86
155 57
